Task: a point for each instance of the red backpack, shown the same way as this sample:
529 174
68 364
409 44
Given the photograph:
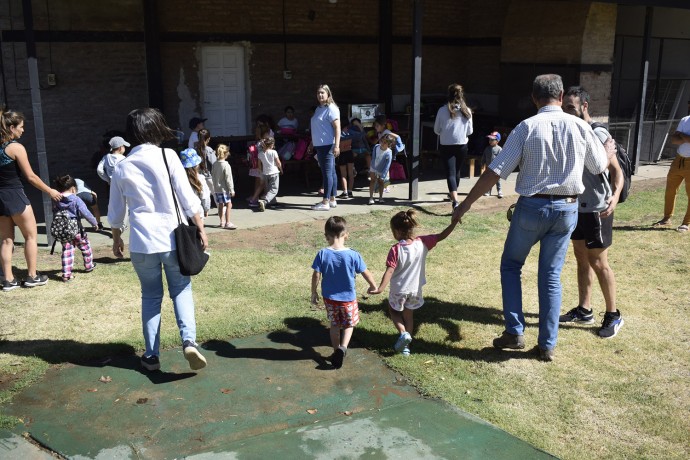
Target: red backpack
301 149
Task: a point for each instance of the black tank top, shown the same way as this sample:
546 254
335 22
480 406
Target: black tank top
9 170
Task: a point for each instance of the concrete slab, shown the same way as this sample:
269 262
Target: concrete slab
261 396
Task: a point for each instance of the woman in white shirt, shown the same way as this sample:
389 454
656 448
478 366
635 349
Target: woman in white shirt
454 125
141 188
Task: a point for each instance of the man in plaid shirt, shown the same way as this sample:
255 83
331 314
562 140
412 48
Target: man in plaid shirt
552 149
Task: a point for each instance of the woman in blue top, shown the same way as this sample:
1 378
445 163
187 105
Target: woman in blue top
15 208
325 135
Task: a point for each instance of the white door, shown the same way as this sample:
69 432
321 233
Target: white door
224 95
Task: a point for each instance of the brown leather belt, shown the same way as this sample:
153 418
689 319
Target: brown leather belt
567 198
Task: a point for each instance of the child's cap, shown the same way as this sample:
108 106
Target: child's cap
117 142
189 158
495 135
195 121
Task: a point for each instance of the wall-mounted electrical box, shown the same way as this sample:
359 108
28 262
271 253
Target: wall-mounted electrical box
287 74
52 79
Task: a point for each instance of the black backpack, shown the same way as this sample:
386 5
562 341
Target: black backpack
624 162
64 228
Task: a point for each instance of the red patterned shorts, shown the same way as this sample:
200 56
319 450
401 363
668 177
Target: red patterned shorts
342 314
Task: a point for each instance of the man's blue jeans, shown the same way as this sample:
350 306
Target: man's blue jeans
330 177
550 223
148 268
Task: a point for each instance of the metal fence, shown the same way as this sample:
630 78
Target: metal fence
655 134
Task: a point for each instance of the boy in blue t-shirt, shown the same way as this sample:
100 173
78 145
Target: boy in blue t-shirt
337 266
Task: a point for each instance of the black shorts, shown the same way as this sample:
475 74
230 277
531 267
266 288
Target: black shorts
345 158
87 197
595 230
13 201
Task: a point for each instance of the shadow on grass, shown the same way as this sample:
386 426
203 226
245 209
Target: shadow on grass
643 228
110 260
119 355
303 333
446 316
424 210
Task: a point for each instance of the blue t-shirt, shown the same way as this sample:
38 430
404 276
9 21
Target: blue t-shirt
338 268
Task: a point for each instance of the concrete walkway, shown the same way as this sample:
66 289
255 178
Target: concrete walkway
295 205
265 396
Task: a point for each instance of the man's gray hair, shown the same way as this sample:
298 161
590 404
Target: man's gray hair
548 86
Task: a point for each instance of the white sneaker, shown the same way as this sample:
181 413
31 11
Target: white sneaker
321 207
332 204
371 201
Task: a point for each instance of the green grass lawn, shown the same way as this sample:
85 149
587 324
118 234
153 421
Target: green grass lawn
626 397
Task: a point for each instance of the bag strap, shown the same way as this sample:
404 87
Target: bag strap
172 190
79 225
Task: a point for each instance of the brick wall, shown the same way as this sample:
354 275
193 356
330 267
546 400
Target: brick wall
572 38
100 81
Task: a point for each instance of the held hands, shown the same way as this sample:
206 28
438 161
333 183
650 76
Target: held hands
373 290
458 212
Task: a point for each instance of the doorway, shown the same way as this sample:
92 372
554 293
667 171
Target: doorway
224 104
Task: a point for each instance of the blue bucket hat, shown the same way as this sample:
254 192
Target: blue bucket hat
189 158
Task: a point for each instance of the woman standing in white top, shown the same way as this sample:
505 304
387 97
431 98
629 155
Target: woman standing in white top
141 184
454 125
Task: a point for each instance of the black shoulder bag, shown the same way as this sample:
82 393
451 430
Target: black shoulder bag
190 251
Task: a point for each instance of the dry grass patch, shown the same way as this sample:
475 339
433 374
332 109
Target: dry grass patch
626 397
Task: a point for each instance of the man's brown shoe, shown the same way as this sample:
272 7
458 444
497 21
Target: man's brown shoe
544 354
508 340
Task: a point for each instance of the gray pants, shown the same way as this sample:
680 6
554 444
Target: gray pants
271 183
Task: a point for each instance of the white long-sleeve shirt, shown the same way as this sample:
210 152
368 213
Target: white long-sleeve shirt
452 131
141 184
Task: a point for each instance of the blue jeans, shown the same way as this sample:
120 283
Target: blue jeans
330 177
550 223
148 268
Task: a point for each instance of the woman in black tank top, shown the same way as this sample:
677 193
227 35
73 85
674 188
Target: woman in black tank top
15 208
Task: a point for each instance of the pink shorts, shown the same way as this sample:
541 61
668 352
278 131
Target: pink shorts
342 314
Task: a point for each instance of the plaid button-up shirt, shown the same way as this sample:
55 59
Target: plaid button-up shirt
552 148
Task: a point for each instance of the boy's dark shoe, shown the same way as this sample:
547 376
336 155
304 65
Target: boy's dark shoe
577 315
150 363
191 354
508 340
8 285
38 280
338 357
